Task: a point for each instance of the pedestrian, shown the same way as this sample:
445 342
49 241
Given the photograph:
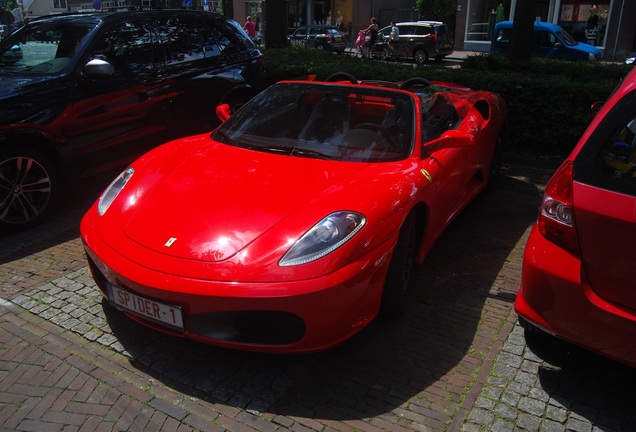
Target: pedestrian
372 31
250 28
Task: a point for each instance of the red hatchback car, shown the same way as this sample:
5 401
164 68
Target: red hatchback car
290 227
579 273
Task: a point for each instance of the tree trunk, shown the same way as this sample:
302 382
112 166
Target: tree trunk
523 30
276 26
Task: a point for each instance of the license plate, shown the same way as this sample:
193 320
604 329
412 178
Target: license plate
168 315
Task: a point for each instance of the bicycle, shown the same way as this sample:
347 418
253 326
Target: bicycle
381 51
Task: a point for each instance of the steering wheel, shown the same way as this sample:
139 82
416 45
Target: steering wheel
415 81
393 145
339 76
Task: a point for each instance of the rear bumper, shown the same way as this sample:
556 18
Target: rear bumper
556 297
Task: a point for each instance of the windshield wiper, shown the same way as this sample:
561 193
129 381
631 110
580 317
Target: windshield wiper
310 153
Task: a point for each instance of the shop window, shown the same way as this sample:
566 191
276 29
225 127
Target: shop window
585 21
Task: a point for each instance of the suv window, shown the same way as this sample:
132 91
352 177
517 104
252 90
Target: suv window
129 48
423 30
406 30
608 160
182 39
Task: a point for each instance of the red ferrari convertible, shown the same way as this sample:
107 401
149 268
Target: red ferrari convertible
297 221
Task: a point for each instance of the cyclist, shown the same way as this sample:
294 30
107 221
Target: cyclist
395 36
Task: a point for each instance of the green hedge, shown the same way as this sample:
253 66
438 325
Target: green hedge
548 101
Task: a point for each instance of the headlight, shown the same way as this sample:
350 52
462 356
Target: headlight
113 190
325 237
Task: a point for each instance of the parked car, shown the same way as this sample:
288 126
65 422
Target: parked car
85 93
299 219
424 40
548 41
320 37
578 273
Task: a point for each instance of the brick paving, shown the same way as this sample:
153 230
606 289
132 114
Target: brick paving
456 361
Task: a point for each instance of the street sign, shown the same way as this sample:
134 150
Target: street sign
187 3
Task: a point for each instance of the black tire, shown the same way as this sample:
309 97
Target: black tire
494 169
400 269
29 188
420 56
401 55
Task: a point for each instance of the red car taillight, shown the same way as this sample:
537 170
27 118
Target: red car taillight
328 38
556 221
434 37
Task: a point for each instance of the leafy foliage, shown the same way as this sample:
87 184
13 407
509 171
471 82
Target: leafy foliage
548 101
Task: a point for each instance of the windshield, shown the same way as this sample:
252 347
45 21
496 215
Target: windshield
42 48
344 123
566 38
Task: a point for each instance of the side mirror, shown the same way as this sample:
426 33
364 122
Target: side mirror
223 112
450 139
98 68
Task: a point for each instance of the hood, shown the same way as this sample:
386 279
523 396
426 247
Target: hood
589 49
221 198
17 85
21 98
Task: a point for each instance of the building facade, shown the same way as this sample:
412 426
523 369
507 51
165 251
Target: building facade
608 24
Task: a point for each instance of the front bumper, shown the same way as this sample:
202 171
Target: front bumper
286 316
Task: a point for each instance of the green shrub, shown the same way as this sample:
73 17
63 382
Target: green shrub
548 101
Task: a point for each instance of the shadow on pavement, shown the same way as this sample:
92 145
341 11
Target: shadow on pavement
594 387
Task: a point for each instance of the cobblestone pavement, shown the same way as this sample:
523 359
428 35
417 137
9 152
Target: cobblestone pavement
456 361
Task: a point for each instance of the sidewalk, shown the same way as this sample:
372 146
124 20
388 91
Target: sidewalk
456 361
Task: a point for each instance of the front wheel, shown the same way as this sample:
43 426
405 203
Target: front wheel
28 188
399 274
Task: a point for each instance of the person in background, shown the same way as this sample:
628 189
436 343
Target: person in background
250 28
372 30
395 36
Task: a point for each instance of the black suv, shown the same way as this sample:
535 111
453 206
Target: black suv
322 37
423 40
86 93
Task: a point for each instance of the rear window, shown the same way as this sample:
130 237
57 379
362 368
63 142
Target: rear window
423 30
608 160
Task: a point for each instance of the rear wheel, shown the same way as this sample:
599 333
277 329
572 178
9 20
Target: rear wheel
28 188
494 169
420 56
400 270
401 54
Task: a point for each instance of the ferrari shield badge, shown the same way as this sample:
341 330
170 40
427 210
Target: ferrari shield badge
427 175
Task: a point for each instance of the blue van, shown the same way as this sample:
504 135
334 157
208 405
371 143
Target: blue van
549 41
